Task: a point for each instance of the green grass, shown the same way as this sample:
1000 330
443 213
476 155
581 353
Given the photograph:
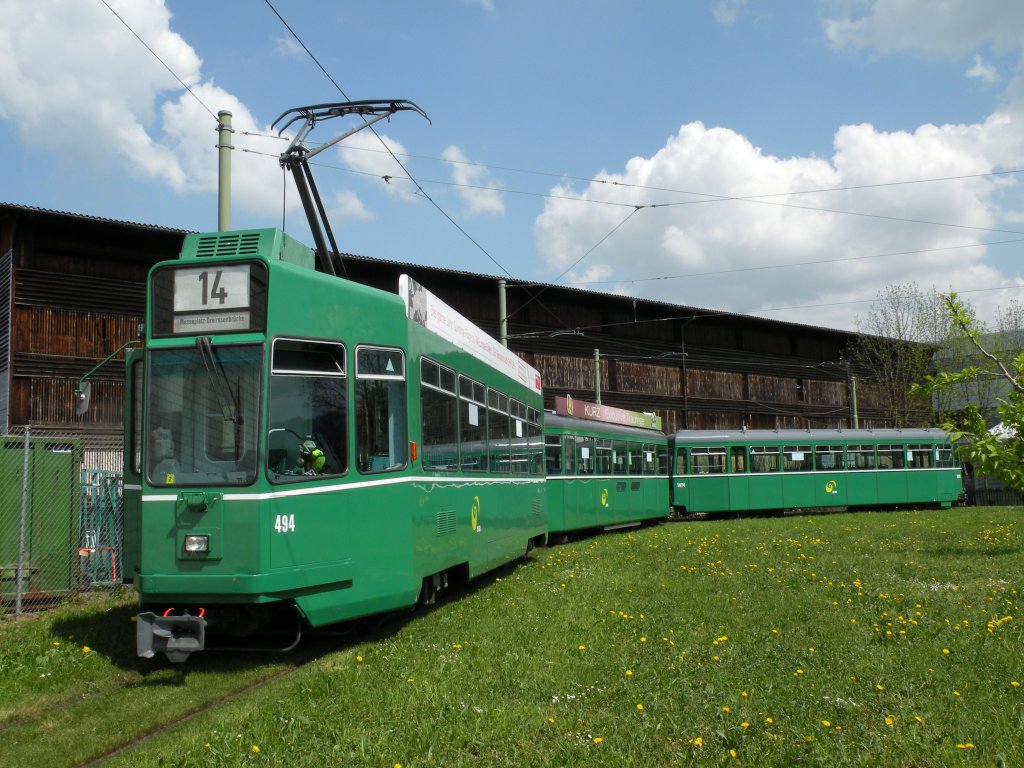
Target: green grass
855 639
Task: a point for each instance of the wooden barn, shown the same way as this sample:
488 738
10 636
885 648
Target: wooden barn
72 291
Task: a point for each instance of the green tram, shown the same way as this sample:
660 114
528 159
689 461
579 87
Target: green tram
309 449
752 470
603 476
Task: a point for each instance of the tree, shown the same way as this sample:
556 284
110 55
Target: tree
899 334
994 453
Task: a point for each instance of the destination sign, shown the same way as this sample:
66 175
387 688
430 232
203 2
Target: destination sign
581 409
215 298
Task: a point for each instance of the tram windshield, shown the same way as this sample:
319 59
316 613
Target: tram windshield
203 417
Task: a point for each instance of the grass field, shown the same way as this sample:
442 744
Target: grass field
888 639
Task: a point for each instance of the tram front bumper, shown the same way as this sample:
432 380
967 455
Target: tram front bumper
174 636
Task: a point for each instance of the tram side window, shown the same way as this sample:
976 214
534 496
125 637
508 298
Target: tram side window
620 457
535 435
737 459
472 425
553 454
498 433
860 456
764 458
519 438
439 431
707 461
586 450
603 459
681 463
891 457
944 456
829 457
797 458
382 437
569 442
920 456
308 410
135 451
649 460
662 456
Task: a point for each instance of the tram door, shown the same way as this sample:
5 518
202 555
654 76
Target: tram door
739 483
708 481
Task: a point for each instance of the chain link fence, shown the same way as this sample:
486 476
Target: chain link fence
62 517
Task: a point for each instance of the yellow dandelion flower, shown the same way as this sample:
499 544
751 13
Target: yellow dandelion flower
56 644
86 649
732 753
551 720
697 742
629 673
255 749
725 709
918 718
643 639
879 687
889 720
745 724
359 659
826 723
1015 683
715 658
968 745
946 651
598 739
582 648
744 694
769 720
798 673
640 707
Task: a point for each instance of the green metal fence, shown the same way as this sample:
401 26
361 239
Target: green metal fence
61 517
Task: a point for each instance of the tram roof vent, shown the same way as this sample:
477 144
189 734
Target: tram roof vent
221 244
259 243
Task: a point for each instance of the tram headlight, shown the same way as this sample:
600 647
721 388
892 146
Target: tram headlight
197 543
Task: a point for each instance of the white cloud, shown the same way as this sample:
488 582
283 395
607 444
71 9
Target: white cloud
109 106
981 71
947 28
288 48
123 112
368 154
727 11
475 187
723 250
346 206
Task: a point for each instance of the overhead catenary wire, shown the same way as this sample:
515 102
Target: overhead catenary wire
709 198
162 62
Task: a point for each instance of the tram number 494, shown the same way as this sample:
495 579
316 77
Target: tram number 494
285 524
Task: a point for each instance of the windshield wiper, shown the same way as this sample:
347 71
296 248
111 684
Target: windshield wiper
219 379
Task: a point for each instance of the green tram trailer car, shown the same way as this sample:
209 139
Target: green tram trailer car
603 475
314 450
761 470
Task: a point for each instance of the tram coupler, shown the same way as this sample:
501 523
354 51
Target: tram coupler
174 636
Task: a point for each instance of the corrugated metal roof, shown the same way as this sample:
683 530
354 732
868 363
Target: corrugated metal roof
97 219
685 308
678 308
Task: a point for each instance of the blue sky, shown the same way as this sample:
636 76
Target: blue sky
784 159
